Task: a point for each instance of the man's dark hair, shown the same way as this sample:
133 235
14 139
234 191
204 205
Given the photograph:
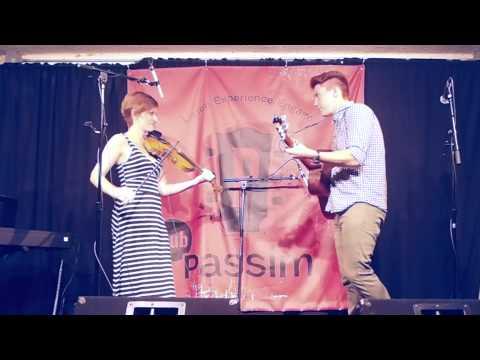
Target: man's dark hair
336 78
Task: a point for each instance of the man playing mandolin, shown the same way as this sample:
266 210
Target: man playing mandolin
358 185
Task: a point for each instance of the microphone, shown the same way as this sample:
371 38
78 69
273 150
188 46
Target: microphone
155 78
445 98
89 124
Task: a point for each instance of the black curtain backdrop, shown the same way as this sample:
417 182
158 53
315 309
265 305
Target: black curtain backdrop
415 255
48 155
47 158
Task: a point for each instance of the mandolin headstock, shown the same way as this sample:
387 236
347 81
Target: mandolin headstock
281 124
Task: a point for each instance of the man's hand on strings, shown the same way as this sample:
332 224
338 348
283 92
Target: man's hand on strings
300 151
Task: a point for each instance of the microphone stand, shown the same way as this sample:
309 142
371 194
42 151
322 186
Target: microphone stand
455 157
115 74
102 81
246 184
453 114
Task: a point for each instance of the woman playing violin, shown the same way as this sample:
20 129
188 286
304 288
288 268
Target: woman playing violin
142 263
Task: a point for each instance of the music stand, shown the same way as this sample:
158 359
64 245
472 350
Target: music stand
247 184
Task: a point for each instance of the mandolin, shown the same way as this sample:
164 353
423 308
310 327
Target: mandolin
319 173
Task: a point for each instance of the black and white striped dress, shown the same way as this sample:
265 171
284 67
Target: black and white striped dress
142 262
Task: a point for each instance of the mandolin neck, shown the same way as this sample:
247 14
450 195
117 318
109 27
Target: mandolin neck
289 141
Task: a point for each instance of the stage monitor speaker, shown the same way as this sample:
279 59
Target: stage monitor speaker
110 305
418 307
151 305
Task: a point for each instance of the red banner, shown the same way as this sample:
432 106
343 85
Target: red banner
222 118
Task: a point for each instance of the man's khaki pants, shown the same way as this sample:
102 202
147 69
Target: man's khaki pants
356 233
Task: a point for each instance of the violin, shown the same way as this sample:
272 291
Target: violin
158 147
